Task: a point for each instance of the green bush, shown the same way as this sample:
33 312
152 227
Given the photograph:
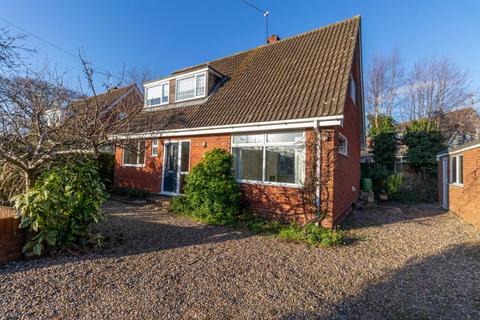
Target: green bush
131 192
211 191
61 206
311 234
395 183
106 169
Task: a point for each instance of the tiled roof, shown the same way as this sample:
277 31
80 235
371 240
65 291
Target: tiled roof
104 99
304 76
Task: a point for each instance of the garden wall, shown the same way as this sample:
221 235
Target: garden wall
12 238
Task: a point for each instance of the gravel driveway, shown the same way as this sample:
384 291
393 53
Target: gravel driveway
406 262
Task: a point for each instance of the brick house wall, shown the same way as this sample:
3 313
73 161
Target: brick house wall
12 238
280 202
464 201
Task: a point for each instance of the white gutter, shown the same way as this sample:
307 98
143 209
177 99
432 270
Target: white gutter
327 121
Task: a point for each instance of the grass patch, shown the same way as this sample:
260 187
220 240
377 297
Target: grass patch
310 233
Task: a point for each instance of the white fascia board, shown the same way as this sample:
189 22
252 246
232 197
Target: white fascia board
154 83
453 152
328 121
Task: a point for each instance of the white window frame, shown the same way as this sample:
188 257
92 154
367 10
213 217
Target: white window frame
457 170
161 85
154 144
138 165
346 145
195 75
266 144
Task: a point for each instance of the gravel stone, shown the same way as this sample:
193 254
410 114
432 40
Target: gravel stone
402 262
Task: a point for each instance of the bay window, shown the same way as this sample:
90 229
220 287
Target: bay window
190 87
134 154
270 158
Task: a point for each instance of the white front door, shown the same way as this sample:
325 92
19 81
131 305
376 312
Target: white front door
445 182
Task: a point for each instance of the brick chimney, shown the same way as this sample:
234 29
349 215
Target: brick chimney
273 38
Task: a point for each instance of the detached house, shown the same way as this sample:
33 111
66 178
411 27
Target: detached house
291 113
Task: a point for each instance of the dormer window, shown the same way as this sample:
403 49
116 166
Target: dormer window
190 87
157 95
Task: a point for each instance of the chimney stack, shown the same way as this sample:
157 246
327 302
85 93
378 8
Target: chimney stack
273 38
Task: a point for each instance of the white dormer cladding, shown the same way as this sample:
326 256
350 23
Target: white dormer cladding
181 87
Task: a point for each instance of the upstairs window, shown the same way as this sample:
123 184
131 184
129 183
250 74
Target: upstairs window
190 87
456 169
157 95
352 89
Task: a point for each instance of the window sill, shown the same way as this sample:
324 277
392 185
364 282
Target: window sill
134 165
271 183
188 99
344 154
155 105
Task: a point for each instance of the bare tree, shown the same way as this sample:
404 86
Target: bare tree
434 87
384 80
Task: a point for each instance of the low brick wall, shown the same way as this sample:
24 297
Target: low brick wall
11 237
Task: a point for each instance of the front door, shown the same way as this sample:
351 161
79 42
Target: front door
170 171
176 166
445 182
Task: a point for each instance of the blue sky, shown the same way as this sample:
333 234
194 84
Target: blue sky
162 36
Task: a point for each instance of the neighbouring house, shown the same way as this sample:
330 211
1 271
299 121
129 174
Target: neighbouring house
107 108
459 181
291 112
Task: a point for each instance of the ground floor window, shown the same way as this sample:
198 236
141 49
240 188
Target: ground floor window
270 157
134 153
456 169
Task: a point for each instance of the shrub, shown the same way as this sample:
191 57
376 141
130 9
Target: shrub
131 192
106 166
61 206
395 183
12 183
311 234
211 191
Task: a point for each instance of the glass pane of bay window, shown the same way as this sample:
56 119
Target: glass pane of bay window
186 88
453 169
460 169
284 137
284 164
248 163
248 138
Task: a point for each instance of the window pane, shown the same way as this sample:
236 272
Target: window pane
154 146
153 95
248 163
165 93
186 88
250 138
342 145
200 84
460 169
185 156
453 171
284 164
284 137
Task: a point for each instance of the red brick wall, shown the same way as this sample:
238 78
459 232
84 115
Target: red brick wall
12 238
149 177
465 200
